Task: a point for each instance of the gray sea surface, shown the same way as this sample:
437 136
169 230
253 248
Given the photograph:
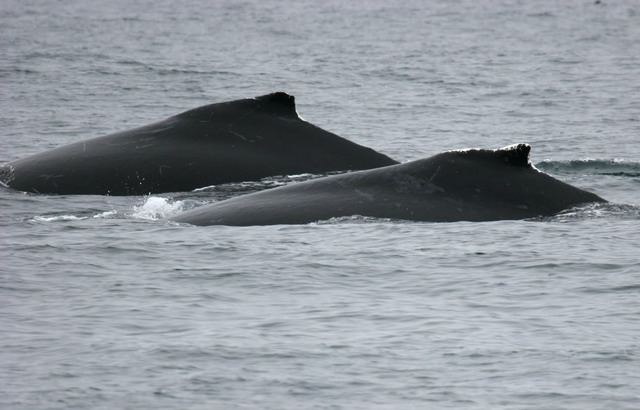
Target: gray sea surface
104 304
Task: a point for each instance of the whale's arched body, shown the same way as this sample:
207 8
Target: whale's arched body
466 185
234 141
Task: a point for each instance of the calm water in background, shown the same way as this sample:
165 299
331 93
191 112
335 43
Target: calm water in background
105 305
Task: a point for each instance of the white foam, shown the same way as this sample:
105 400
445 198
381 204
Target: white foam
204 188
57 218
106 214
156 208
300 176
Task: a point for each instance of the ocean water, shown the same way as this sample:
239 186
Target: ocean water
104 304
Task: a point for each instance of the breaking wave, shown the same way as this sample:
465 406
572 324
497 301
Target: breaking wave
613 167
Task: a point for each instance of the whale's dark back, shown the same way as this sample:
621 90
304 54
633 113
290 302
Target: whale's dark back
234 141
470 185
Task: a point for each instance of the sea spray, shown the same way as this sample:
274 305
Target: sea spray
156 207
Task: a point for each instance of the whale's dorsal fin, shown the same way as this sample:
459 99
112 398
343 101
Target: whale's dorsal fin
516 155
278 103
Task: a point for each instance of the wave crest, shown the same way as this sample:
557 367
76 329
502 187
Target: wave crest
591 167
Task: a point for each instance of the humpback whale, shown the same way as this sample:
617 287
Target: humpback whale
463 185
242 140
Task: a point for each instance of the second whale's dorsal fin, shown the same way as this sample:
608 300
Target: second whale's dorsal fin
278 103
516 155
